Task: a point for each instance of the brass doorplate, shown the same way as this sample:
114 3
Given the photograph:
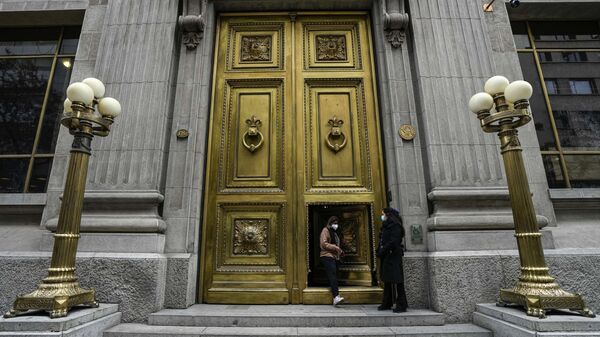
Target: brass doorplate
407 132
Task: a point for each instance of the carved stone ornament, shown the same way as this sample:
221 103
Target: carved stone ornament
250 237
395 28
256 48
331 48
193 30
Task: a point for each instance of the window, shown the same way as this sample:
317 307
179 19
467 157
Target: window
551 86
582 87
35 67
562 62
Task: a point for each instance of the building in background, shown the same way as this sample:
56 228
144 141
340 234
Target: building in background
227 157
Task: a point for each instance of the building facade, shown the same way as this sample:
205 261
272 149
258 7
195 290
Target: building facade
247 123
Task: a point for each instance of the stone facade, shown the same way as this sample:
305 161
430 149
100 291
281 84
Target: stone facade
142 214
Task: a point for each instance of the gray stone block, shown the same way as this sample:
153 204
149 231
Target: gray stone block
292 316
555 320
480 240
459 282
416 280
42 322
135 281
90 322
451 330
513 322
112 242
180 288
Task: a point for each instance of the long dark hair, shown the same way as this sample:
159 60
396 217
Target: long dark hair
392 214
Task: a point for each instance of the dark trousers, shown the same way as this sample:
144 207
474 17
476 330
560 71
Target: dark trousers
331 266
394 293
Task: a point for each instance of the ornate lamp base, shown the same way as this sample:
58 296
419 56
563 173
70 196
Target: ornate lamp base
56 299
537 301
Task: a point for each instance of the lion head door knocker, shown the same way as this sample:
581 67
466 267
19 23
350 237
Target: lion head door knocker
336 139
252 138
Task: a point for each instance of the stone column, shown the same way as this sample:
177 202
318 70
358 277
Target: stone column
457 47
185 172
132 52
397 106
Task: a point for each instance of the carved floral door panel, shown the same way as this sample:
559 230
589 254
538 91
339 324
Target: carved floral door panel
294 124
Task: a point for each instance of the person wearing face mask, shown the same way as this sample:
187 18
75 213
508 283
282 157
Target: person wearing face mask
330 255
390 252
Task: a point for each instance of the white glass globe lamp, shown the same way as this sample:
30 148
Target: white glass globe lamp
109 107
80 92
518 91
67 106
481 102
495 85
96 85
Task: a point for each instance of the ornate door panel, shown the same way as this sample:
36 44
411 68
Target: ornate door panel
294 125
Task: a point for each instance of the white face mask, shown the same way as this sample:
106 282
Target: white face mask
334 226
383 217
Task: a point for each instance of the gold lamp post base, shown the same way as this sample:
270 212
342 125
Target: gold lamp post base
56 299
538 301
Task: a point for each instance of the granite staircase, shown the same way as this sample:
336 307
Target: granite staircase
294 320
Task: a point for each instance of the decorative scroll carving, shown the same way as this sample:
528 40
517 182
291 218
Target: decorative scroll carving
192 23
395 28
193 30
250 237
395 22
256 48
331 48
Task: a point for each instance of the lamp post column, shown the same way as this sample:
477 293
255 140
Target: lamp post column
60 291
535 290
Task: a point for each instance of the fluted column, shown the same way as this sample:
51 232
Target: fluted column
456 49
135 58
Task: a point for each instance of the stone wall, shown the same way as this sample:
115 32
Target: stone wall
460 280
135 281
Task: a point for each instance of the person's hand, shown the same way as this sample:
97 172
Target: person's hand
339 250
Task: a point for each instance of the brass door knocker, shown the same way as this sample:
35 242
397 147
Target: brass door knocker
252 138
336 135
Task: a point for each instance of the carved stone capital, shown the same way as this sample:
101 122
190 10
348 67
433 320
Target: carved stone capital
395 28
193 30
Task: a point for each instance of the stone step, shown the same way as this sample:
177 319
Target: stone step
450 330
214 315
508 322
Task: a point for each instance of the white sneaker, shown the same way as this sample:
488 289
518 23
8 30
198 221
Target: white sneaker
338 300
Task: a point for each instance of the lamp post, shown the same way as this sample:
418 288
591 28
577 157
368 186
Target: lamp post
536 290
60 291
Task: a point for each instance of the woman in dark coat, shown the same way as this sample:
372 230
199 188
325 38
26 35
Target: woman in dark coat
390 252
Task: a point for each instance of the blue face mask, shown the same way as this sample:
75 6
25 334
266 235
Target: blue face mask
334 226
383 217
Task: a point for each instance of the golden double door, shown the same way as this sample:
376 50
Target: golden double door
294 138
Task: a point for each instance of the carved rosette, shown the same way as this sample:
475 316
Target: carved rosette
250 237
256 48
331 48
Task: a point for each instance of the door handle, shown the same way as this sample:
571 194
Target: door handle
253 139
336 140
